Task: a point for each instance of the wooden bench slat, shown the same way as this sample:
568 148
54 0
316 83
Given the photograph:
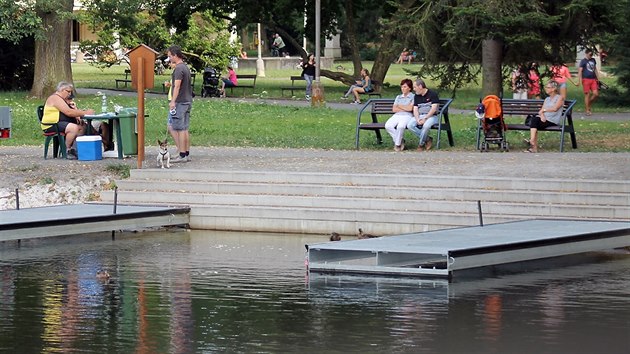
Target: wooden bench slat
384 107
293 87
240 77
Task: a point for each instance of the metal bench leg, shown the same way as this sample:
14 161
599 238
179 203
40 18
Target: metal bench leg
573 140
451 140
379 138
439 131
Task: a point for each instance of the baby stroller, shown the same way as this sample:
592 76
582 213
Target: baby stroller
490 115
211 79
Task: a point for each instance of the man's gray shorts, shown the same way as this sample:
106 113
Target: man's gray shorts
181 118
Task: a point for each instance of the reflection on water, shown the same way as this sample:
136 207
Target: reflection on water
182 292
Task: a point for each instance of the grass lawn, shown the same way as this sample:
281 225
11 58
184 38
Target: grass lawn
86 75
218 122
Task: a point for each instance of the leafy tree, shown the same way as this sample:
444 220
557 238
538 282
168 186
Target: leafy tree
286 18
18 20
129 23
457 33
52 51
202 35
16 72
207 37
48 23
618 45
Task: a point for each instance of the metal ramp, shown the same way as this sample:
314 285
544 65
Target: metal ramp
444 252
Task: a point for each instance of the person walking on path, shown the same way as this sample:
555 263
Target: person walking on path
180 103
587 75
560 74
308 73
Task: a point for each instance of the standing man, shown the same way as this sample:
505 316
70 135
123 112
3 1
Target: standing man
587 74
180 103
425 105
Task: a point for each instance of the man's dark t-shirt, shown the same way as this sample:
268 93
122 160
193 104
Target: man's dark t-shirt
588 68
181 72
424 102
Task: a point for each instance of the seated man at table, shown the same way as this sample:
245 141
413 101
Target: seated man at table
57 110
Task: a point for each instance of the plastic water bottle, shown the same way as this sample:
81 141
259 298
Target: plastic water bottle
104 104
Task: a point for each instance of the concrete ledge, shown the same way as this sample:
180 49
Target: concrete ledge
280 63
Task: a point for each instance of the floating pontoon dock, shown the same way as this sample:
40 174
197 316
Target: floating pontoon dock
444 252
77 219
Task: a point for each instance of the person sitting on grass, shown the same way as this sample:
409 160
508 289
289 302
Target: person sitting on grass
57 110
229 81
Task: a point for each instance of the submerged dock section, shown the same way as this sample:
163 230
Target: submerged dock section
443 253
78 219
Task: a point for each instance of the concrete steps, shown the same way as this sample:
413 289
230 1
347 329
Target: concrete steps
382 204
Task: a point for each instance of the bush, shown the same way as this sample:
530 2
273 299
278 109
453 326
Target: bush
18 64
368 53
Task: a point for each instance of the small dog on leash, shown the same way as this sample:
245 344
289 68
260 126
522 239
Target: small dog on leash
163 154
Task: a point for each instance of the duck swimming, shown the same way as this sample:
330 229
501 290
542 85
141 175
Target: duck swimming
364 235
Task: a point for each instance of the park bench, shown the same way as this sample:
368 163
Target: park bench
377 89
292 88
251 84
513 107
126 80
384 107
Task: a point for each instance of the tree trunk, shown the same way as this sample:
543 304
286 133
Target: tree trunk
384 57
351 32
52 54
339 76
491 58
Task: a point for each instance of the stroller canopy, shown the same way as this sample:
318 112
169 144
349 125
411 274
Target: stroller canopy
492 105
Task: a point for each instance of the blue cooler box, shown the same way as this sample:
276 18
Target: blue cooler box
89 148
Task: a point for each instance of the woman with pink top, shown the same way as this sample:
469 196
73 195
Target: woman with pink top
230 81
560 74
533 84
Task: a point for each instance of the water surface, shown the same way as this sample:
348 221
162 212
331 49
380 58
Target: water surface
203 291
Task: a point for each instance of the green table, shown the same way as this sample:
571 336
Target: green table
115 119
